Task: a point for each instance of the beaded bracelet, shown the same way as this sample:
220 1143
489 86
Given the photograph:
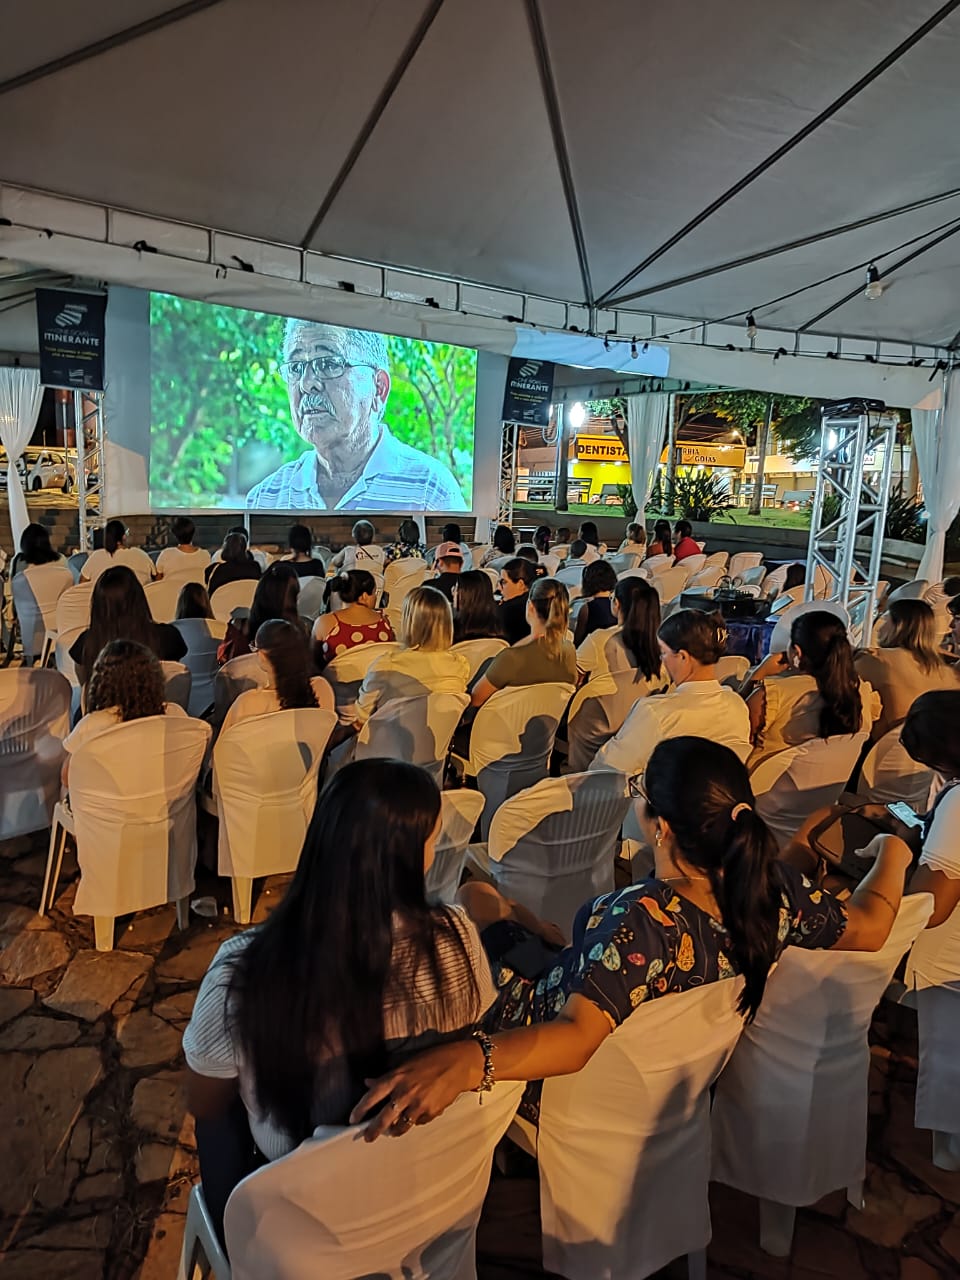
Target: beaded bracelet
486 1047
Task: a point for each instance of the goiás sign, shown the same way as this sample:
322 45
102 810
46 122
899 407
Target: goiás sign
71 332
529 391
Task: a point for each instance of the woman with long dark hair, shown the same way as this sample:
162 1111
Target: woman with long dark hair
119 611
275 597
662 544
589 534
475 615
284 654
719 905
906 663
352 969
236 564
116 551
597 584
35 549
546 656
503 544
357 621
631 644
818 693
516 578
193 602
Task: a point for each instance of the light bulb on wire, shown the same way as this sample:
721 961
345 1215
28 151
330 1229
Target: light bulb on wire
751 326
874 288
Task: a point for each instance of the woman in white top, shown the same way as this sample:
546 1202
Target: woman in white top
184 558
126 684
283 653
632 644
364 554
115 551
423 662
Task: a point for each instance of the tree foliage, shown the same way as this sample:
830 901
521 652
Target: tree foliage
796 419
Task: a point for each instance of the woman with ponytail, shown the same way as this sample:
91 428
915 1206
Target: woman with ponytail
357 621
718 905
545 656
115 551
818 693
630 645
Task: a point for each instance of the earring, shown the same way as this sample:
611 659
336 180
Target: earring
658 838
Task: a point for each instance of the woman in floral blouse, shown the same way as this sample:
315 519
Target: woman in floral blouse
719 905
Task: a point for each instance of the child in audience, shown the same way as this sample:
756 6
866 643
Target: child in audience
183 558
358 620
284 654
300 542
596 613
545 656
635 542
364 554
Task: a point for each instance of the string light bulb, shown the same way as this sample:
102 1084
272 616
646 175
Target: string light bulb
751 326
874 287
633 349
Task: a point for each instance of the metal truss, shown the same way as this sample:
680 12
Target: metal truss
506 488
89 462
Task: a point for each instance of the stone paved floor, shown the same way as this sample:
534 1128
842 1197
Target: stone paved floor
99 1153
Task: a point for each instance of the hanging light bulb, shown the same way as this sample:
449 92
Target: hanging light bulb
751 326
633 349
874 287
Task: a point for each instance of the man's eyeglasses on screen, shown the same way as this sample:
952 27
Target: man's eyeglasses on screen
325 368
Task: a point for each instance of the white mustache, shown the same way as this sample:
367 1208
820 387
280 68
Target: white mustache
315 402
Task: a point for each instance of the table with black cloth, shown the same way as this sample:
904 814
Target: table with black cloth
747 637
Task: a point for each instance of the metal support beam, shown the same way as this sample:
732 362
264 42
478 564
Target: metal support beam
508 473
88 454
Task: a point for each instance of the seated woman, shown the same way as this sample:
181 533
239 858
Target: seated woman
236 564
503 544
541 540
407 545
35 549
907 663
595 548
275 597
423 662
284 654
126 683
183 557
811 691
119 611
475 615
719 905
364 554
356 622
951 644
662 543
631 644
351 971
685 544
193 602
516 578
300 542
596 613
117 551
635 541
545 656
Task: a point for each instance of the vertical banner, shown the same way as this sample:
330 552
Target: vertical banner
529 391
71 331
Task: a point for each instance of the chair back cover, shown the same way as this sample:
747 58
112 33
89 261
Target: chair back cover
511 740
416 1218
73 608
162 597
202 637
915 590
36 591
416 729
889 773
694 563
552 847
477 652
459 814
790 1113
346 674
34 720
658 564
718 558
236 677
570 576
232 595
773 582
708 576
732 670
671 582
401 576
624 1145
177 681
741 561
597 712
310 599
621 561
132 793
265 781
793 784
76 562
780 640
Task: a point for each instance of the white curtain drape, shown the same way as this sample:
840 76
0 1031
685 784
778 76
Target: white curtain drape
646 430
20 396
936 438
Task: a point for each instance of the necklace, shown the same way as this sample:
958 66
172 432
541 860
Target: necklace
675 879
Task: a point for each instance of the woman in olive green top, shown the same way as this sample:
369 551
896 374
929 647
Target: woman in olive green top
546 656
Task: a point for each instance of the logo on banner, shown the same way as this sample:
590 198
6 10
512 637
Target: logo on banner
528 392
71 337
70 316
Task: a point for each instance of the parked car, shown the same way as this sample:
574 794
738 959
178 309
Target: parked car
47 469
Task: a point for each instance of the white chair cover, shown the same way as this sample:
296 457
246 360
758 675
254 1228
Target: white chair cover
671 582
202 637
732 670
232 595
477 652
755 577
552 847
780 640
346 673
162 597
401 576
67 667
597 712
310 599
773 582
416 729
720 559
621 561
459 814
73 608
694 563
658 564
176 678
132 795
36 591
635 1123
34 720
915 590
708 576
341 1208
889 773
790 1113
511 740
938 1079
265 783
236 677
793 784
740 561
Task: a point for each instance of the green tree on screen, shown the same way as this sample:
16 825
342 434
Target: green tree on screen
432 400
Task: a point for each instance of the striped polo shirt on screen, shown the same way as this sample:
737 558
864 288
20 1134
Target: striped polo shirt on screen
396 477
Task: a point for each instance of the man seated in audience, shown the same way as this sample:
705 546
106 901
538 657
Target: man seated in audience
577 559
364 554
452 533
448 565
184 557
516 578
685 545
300 542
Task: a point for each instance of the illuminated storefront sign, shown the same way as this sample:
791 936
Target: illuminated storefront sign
600 449
709 455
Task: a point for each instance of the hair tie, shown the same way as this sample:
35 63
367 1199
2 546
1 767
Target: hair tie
737 809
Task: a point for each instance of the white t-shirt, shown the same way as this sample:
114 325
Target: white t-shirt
210 1050
700 708
172 561
369 558
550 562
263 702
94 723
935 958
601 652
133 557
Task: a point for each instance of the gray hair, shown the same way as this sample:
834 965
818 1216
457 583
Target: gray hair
359 344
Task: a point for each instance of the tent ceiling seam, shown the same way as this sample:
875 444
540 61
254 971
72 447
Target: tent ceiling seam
611 295
115 41
374 117
552 104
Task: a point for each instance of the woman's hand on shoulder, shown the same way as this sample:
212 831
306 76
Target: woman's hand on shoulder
420 1090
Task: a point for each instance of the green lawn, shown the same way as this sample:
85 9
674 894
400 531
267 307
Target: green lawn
770 517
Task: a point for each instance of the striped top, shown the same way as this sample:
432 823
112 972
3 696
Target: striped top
408 1025
396 477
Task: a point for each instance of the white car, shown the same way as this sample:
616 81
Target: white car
46 469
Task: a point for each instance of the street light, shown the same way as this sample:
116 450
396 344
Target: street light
577 415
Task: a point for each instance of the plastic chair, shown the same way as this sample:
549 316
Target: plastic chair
200 1242
73 608
637 1116
719 560
202 637
910 591
755 577
310 599
889 773
133 813
572 578
658 564
790 1113
346 674
265 786
707 577
36 591
303 1215
477 652
417 729
34 720
235 677
621 561
177 679
597 712
552 847
732 670
162 597
795 783
231 596
511 741
459 814
693 564
401 576
743 560
780 640
76 562
773 582
670 583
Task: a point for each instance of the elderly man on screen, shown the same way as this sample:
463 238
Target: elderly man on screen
338 381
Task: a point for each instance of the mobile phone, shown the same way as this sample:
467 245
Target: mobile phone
903 813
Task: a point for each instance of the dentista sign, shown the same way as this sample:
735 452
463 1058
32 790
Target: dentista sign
600 449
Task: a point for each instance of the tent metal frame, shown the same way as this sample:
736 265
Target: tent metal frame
846 441
506 487
89 438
